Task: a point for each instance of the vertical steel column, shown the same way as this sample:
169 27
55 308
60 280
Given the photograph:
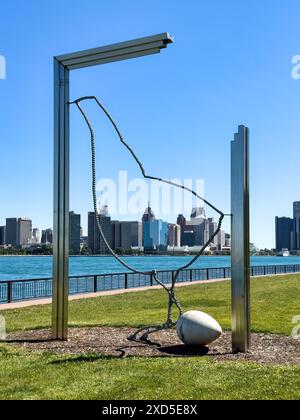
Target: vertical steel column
61 203
241 336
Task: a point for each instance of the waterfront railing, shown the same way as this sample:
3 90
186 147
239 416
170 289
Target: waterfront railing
31 289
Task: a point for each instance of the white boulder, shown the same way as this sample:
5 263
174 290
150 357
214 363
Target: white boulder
195 328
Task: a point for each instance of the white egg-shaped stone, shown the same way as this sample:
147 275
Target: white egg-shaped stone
195 328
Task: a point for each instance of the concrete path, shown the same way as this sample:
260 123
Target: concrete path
37 302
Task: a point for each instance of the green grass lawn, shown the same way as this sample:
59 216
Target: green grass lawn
275 301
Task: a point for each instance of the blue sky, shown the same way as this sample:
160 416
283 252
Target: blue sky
230 65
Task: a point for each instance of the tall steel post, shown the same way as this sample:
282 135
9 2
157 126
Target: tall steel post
61 203
240 230
62 66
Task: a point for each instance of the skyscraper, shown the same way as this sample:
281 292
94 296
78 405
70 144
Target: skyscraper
174 237
201 232
74 233
127 234
36 236
155 236
24 231
95 242
12 231
296 230
181 221
148 215
2 235
213 226
136 234
47 236
284 231
221 240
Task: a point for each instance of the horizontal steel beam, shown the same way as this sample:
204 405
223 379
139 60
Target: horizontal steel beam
116 52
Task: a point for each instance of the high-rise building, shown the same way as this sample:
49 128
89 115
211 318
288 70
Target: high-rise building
228 240
2 235
95 241
213 226
36 236
201 232
188 238
12 231
116 234
18 231
126 235
221 240
174 236
24 231
296 230
47 236
284 232
136 234
198 212
148 215
155 236
74 232
181 221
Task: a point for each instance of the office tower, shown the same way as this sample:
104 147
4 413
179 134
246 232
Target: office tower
96 243
24 231
12 231
227 240
201 232
148 215
213 226
198 212
221 240
174 237
188 238
181 221
136 234
283 230
116 234
126 235
47 236
296 230
155 236
2 235
74 233
36 236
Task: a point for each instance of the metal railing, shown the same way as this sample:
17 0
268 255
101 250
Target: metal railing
20 290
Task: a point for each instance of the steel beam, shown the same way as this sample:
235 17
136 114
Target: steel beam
116 52
240 253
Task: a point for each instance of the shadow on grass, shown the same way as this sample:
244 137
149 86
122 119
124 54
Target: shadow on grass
184 351
90 358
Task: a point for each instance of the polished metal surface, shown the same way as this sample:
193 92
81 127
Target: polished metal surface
61 203
116 52
62 66
240 230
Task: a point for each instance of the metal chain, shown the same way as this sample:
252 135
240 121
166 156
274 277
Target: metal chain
170 290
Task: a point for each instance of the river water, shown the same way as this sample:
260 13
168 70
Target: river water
16 268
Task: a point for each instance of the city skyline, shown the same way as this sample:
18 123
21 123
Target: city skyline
150 233
201 84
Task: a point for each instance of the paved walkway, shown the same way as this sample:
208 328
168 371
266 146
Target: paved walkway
37 302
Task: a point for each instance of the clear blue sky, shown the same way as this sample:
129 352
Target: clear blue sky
230 65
